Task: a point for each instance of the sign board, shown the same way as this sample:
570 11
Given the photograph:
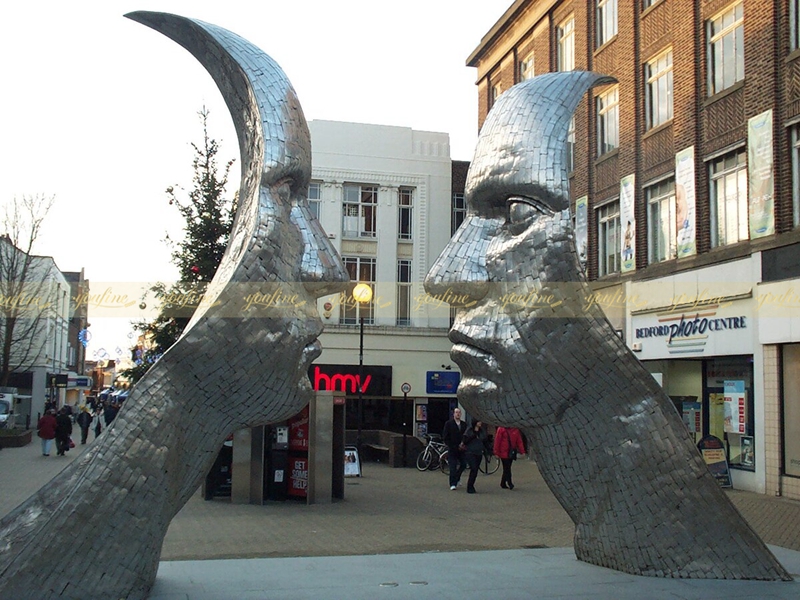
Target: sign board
442 382
352 462
377 381
405 388
713 451
60 380
298 431
735 404
298 477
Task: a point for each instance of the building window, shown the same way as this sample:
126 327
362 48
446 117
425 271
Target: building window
459 212
526 68
648 3
565 38
794 19
359 210
658 90
404 293
661 224
571 146
314 197
796 173
728 175
360 270
608 239
405 208
608 121
496 93
606 20
725 49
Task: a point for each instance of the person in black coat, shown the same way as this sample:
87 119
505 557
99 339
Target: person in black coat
452 435
84 420
63 431
475 443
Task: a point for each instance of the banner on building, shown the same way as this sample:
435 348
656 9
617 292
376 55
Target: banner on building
685 202
760 179
627 220
582 228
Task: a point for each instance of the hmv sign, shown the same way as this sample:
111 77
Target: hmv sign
344 378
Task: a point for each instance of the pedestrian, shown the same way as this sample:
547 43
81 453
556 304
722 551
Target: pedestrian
474 442
452 434
47 430
98 413
507 446
63 431
84 420
110 413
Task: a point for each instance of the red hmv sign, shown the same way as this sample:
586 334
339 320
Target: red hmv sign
377 381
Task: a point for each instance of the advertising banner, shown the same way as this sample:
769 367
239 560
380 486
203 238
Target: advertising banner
735 417
713 451
627 221
685 202
582 228
760 185
298 477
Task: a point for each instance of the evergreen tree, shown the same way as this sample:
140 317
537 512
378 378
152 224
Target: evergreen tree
208 217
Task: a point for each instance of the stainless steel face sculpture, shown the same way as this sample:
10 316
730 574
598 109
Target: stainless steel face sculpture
96 530
535 352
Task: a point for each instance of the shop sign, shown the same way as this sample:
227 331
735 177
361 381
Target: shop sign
710 330
713 451
442 382
298 477
377 381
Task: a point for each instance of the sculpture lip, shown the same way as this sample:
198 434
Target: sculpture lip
312 350
473 360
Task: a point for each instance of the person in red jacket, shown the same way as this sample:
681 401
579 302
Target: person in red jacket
507 445
47 430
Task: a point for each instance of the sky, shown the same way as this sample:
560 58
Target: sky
100 111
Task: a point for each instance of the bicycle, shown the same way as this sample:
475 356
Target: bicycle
488 465
431 456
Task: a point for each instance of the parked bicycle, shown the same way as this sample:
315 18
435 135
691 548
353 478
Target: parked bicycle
431 456
488 465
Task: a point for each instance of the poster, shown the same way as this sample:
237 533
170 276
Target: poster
298 431
748 451
716 415
692 413
582 228
685 202
352 464
627 222
713 451
298 477
422 412
760 185
734 398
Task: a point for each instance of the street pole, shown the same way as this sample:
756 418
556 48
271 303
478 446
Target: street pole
360 386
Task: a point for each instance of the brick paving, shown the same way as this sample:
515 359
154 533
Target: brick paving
388 511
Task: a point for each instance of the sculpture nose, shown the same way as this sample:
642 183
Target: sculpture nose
460 271
321 269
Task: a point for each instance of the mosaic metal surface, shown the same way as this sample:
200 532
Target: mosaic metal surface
537 353
96 530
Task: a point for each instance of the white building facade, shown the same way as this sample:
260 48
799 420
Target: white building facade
383 195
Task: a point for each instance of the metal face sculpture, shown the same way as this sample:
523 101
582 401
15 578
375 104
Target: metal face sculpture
535 352
241 362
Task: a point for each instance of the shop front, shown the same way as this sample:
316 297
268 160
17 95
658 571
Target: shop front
705 357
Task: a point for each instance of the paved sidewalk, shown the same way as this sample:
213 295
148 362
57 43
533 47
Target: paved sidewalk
400 526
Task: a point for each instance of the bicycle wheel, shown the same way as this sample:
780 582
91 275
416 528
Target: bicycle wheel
489 464
424 459
435 460
444 463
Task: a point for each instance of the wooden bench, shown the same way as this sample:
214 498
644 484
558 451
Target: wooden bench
376 451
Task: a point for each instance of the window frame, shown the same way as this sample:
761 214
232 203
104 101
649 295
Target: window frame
458 211
360 269
527 67
366 211
403 315
565 44
718 204
315 198
653 81
405 214
608 213
716 57
570 147
794 24
607 17
794 136
607 121
657 195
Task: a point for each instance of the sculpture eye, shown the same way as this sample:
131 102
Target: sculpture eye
521 214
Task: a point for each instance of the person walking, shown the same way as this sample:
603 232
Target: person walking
508 445
452 434
98 413
474 446
63 431
84 420
47 430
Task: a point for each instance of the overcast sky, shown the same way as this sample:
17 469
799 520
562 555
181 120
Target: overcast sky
100 111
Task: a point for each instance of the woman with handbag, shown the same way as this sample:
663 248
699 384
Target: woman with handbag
507 446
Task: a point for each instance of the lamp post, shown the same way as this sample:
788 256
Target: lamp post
362 293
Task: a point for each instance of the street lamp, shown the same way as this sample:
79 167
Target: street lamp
362 294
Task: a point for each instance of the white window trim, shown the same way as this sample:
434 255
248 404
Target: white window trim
714 200
651 83
404 287
712 40
652 227
607 18
527 67
606 105
602 254
565 34
408 236
349 301
362 230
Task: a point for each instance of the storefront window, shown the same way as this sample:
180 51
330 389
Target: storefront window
791 409
729 393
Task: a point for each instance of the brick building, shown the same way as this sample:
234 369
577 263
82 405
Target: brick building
686 189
